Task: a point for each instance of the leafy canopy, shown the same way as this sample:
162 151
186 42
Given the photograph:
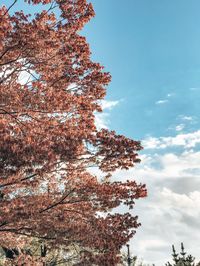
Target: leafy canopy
50 90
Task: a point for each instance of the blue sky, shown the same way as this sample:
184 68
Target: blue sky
152 49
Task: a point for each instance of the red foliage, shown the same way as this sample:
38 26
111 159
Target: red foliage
49 140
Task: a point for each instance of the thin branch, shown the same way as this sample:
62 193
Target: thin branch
58 202
53 6
15 1
17 181
11 61
4 223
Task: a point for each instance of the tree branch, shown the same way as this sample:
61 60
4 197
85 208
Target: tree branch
58 202
15 1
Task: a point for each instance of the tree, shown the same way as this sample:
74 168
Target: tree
182 259
50 90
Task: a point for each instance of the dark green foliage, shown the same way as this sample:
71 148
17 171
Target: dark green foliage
181 259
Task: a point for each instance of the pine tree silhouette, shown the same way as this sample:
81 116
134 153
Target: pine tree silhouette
181 259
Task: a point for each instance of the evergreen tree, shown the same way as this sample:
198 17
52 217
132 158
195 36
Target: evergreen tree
181 259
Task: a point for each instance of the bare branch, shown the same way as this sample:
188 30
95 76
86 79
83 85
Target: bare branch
15 1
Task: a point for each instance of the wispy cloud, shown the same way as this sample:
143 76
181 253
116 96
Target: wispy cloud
162 101
182 201
189 140
102 119
171 212
108 105
180 127
165 100
183 123
187 118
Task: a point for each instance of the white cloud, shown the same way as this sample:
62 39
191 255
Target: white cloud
166 166
167 218
165 100
184 122
188 140
161 101
72 86
171 94
187 118
102 119
171 212
182 202
181 165
154 243
180 127
24 77
108 104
